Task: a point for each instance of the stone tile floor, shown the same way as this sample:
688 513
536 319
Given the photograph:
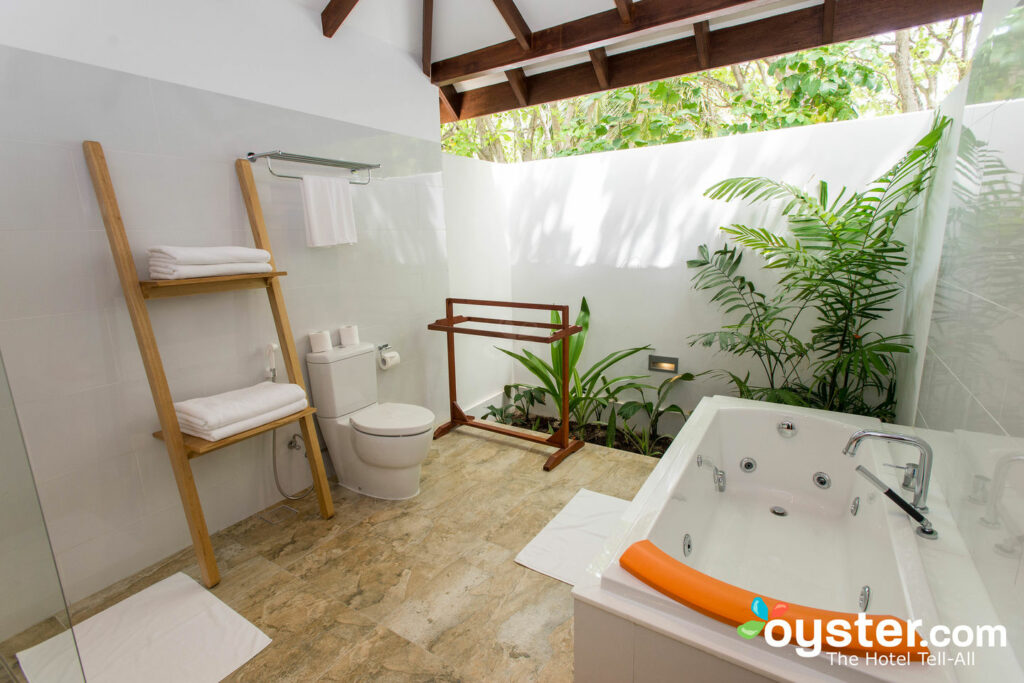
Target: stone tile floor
417 590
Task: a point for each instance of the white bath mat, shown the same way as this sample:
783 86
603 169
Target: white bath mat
564 548
172 631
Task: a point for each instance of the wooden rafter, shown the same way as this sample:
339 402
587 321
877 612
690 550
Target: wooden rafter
428 34
702 37
520 88
599 58
775 35
587 32
510 13
625 8
335 14
451 102
828 22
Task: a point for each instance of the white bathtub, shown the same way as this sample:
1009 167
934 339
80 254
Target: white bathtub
819 554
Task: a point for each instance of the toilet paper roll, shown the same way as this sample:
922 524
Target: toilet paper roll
389 359
320 341
349 335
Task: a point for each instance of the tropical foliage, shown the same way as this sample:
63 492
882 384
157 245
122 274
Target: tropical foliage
898 72
841 267
590 391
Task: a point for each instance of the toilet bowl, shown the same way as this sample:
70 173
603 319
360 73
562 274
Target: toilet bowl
376 448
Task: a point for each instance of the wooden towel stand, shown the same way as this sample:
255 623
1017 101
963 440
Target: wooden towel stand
560 331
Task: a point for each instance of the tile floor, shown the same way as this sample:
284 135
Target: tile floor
417 590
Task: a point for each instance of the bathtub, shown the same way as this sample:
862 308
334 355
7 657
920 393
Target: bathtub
794 522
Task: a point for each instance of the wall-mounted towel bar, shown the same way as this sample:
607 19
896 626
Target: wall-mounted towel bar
353 166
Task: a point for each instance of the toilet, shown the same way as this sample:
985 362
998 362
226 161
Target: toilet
376 448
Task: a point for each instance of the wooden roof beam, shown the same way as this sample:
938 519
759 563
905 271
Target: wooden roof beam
428 34
585 33
776 35
702 38
625 8
828 22
599 58
520 88
335 14
451 103
510 13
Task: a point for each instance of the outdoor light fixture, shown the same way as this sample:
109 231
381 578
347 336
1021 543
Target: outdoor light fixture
662 363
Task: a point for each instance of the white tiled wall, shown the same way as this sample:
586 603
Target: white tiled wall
79 386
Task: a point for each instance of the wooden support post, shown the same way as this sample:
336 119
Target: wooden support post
275 295
625 8
428 34
702 35
828 24
125 264
599 58
517 79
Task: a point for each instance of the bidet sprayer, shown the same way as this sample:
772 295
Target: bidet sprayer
271 369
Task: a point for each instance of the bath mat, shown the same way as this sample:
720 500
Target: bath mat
564 548
174 630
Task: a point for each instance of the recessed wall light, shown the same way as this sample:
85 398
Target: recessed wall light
662 363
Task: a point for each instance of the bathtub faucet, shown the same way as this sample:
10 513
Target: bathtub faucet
922 472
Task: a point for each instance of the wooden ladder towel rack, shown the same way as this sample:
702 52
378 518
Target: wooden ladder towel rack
180 447
560 331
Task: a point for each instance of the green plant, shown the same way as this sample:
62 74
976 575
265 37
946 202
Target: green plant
842 266
590 391
645 438
523 397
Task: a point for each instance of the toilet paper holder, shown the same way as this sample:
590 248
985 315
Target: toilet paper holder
384 363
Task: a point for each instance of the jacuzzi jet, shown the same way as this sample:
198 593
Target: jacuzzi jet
864 599
779 511
687 545
748 464
822 480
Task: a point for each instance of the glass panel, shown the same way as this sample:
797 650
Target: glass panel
33 606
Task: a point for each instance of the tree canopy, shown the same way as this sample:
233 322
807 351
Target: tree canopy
897 72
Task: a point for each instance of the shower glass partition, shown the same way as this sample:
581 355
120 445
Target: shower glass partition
32 604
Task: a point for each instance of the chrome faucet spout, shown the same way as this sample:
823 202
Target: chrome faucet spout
923 474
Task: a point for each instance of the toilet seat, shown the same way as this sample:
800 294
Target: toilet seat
393 419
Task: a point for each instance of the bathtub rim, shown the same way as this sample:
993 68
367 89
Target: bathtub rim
611 588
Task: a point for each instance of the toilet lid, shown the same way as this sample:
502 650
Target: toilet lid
393 419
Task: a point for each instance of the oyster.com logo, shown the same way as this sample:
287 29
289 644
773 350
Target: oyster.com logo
753 628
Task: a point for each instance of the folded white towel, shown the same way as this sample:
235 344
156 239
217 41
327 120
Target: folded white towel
164 272
208 256
212 412
329 216
244 425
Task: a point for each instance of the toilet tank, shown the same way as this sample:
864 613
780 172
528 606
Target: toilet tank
343 380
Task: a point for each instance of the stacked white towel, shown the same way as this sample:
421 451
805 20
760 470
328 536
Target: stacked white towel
223 415
176 263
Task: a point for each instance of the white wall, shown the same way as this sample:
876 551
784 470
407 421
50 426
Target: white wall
476 216
270 51
106 486
618 228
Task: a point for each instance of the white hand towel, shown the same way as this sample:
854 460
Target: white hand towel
244 425
211 412
329 216
207 256
172 272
